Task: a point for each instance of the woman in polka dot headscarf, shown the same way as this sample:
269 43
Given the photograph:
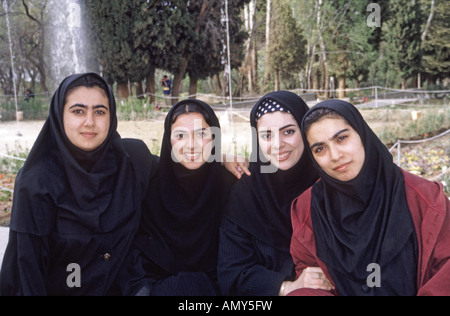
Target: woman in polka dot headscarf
254 250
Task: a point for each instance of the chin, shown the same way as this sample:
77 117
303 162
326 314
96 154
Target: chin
192 165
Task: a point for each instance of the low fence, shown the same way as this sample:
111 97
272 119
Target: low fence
399 144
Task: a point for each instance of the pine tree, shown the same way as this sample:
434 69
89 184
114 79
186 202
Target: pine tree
403 38
287 45
436 59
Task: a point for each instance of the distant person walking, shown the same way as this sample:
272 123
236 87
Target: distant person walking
166 83
29 95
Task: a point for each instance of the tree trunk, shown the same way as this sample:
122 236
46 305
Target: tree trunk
150 86
342 85
277 80
267 72
315 75
325 74
193 85
218 85
250 68
177 80
122 91
139 90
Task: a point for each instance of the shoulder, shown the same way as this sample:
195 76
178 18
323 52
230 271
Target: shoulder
139 152
302 204
301 210
420 191
133 145
144 163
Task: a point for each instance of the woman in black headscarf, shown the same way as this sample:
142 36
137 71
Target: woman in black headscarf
77 199
176 249
373 228
255 234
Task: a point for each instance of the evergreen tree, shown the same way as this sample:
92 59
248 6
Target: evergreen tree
287 44
403 38
436 59
111 24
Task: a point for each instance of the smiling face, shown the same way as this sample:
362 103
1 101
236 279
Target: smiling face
337 148
191 140
280 139
86 117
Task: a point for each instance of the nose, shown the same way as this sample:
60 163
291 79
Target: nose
190 143
277 142
90 121
335 153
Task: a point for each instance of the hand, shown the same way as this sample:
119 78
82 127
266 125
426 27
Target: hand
236 165
312 278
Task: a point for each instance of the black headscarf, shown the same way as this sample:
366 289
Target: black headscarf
183 207
88 201
261 203
366 220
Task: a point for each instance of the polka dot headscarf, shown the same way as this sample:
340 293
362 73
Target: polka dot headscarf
269 106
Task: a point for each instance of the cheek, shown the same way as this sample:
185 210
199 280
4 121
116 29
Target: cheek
264 145
70 125
322 162
177 145
105 123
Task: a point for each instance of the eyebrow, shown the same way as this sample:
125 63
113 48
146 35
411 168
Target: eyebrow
331 139
281 128
186 131
79 105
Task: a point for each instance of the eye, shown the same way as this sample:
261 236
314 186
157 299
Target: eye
100 112
178 136
342 138
77 111
265 136
203 134
318 149
289 132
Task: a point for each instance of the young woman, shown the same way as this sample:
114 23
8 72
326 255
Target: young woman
176 249
372 227
255 234
77 199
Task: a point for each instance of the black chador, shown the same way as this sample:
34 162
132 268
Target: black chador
176 249
254 256
75 213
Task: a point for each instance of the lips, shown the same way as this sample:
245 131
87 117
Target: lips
193 157
89 135
284 156
342 167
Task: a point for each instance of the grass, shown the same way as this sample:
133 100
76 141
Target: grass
394 123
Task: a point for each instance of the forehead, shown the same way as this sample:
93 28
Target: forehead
190 121
327 127
276 120
87 96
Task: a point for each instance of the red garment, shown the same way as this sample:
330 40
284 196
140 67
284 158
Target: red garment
430 210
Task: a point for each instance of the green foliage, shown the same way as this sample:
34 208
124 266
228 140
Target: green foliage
287 46
436 59
402 34
11 165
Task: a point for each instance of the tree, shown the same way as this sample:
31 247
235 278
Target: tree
112 24
33 40
209 62
287 44
436 45
403 38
